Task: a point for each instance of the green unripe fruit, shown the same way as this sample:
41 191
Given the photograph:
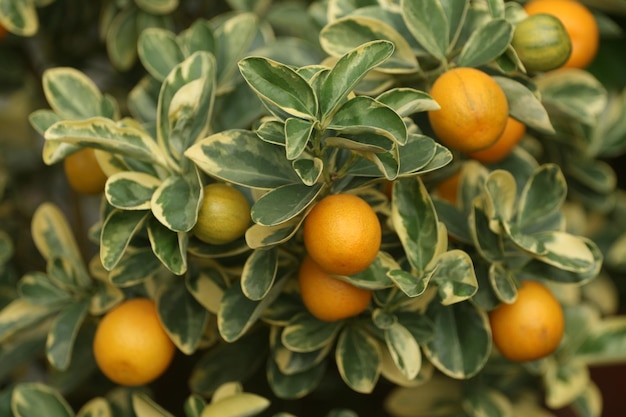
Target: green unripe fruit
541 42
224 215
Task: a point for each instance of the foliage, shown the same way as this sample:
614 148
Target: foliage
289 102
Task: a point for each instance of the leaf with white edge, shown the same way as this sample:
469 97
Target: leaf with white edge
304 333
239 405
524 105
121 39
564 382
71 94
454 276
347 72
503 282
234 38
19 17
542 196
500 196
62 334
283 203
489 243
404 350
296 385
343 35
159 52
177 201
239 157
52 234
105 134
183 318
135 266
309 170
238 313
157 7
259 273
486 43
131 190
565 251
415 221
365 115
170 247
288 362
144 406
185 104
20 314
29 398
264 236
36 288
429 25
194 404
605 342
358 359
96 407
589 403
463 343
208 286
281 86
298 133
197 37
488 403
118 229
407 101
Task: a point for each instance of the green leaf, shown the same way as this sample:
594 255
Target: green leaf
283 203
309 170
259 273
407 101
280 86
42 119
305 333
157 6
121 39
288 362
604 343
358 359
52 235
197 37
183 318
298 133
297 385
264 236
177 201
19 17
242 404
589 403
159 52
105 134
500 197
29 398
366 115
524 105
194 404
404 350
488 243
144 406
71 94
131 190
118 229
19 315
62 334
455 277
347 73
134 267
415 221
238 313
238 156
234 38
462 344
96 407
564 382
486 43
185 104
170 247
36 288
542 196
429 25
342 35
487 402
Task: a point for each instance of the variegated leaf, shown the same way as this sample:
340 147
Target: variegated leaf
119 227
61 337
236 405
304 333
131 190
259 272
159 52
20 314
177 201
71 94
283 203
358 359
28 399
407 101
296 385
234 38
19 17
157 7
121 39
454 276
96 407
170 247
404 350
429 25
144 406
298 133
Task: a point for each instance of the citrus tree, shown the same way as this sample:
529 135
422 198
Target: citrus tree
318 208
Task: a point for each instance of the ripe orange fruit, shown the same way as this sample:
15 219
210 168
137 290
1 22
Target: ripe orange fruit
83 172
342 234
529 328
473 110
327 298
579 23
130 345
224 215
448 188
514 131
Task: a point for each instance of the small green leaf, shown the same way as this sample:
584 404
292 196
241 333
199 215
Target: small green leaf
297 385
19 315
305 333
194 404
157 7
486 43
542 196
455 277
28 399
429 25
170 247
62 334
407 101
71 94
19 17
487 402
358 359
159 52
131 190
96 407
233 38
36 288
259 273
197 37
177 201
144 406
524 105
243 404
118 229
283 203
564 382
121 39
298 133
404 350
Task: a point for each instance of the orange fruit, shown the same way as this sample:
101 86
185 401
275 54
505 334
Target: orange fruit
83 172
342 234
327 298
514 131
579 23
224 215
529 328
131 346
473 112
448 188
